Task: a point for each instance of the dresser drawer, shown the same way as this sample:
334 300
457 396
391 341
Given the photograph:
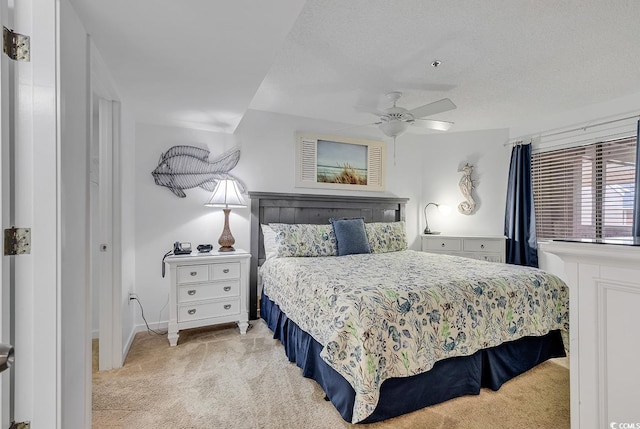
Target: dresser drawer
208 310
193 273
445 244
480 245
230 270
208 291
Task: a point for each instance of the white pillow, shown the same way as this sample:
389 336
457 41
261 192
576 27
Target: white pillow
269 241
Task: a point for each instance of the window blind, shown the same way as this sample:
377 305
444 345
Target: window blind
585 191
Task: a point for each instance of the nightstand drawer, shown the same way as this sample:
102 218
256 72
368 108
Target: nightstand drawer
480 245
208 291
229 270
208 310
486 248
193 273
443 244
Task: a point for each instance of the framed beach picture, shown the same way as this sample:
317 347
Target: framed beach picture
331 162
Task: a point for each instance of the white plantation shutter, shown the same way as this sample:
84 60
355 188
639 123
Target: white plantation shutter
585 191
375 168
308 160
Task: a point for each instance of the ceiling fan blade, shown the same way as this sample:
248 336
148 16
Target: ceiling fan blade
431 124
351 127
433 108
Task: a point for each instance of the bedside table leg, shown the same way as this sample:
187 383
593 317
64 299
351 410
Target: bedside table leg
243 325
172 335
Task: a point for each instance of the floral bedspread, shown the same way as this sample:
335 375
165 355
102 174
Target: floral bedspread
395 314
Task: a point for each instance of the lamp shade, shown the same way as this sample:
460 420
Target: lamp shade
445 210
226 195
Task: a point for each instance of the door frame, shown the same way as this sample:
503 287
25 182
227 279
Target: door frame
38 276
109 213
6 88
105 251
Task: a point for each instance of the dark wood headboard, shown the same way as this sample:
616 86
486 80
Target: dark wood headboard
267 207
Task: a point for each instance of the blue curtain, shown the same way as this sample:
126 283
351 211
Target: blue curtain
519 216
636 200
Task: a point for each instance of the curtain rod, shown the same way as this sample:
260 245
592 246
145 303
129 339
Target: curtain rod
583 128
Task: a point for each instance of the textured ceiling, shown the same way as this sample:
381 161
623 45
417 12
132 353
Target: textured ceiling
504 62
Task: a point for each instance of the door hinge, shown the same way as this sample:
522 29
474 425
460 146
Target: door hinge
17 241
20 425
17 46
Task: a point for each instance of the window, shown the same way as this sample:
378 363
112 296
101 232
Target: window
585 191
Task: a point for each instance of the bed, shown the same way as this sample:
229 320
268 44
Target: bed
391 330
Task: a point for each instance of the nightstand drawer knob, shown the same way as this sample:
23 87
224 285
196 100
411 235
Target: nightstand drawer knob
226 307
194 273
482 246
192 311
226 270
442 245
191 292
227 288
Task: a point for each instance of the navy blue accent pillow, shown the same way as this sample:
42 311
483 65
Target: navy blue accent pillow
351 237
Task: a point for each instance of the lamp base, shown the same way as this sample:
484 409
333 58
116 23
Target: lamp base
226 240
429 232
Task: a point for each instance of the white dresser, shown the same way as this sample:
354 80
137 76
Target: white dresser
208 289
486 248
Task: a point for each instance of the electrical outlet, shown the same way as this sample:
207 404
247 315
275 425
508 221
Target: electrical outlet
132 296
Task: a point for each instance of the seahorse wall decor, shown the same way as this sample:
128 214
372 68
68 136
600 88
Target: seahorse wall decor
186 167
466 185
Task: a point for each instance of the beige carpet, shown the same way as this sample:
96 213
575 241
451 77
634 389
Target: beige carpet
216 378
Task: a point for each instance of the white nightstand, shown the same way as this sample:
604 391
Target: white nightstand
486 248
208 289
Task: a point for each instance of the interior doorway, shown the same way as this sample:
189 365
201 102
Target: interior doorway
104 254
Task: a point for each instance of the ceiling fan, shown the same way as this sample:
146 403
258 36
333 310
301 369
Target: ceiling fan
395 120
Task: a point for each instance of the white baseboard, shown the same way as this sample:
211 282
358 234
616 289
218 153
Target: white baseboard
161 326
127 345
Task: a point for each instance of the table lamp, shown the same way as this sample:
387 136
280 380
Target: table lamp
226 195
442 208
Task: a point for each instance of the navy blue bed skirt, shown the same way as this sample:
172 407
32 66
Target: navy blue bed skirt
447 379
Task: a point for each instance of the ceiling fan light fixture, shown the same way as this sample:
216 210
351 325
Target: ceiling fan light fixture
394 127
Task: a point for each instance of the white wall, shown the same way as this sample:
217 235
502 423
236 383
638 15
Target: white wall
593 113
268 157
426 170
162 218
444 155
267 144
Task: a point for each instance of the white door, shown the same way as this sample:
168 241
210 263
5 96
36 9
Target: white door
44 180
30 200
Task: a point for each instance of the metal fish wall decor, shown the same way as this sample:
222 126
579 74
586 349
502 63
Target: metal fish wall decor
186 167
